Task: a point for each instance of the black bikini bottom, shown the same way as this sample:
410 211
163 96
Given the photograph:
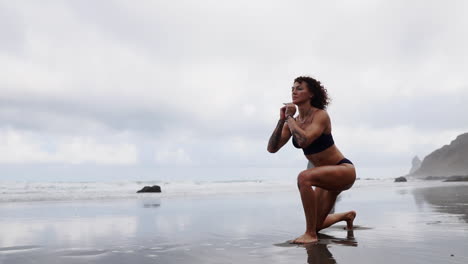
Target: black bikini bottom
345 160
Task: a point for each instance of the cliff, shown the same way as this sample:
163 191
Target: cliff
415 164
447 161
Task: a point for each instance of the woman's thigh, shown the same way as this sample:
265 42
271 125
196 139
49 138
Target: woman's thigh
331 178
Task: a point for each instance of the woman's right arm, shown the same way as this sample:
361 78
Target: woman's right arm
280 136
282 133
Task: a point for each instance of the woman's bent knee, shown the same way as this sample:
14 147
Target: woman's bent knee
304 179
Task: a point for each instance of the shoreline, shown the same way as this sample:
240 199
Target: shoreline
392 220
88 191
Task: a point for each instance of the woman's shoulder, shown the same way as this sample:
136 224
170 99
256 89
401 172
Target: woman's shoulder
322 113
321 117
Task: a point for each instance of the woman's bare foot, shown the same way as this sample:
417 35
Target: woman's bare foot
349 218
305 239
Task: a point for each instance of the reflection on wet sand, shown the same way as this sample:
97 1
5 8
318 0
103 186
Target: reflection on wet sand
445 199
320 254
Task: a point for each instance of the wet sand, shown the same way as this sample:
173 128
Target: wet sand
413 222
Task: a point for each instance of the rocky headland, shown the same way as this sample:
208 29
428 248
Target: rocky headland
449 162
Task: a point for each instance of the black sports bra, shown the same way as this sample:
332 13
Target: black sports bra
320 144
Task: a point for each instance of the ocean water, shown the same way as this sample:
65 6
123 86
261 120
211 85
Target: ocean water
27 191
66 191
230 221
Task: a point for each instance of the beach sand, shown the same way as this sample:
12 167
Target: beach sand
413 222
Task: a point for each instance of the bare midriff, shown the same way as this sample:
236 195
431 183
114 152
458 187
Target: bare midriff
330 156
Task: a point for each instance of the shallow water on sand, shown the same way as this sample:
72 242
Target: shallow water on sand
414 222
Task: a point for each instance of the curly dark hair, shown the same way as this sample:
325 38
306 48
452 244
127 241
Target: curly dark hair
320 98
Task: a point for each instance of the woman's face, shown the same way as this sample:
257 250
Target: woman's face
300 93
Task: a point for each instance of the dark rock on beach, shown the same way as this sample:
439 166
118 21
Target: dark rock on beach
457 178
150 189
400 179
434 178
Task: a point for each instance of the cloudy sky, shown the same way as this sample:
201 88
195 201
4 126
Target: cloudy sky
140 89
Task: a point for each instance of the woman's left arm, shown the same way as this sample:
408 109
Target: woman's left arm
304 137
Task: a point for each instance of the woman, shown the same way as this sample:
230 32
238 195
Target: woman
332 174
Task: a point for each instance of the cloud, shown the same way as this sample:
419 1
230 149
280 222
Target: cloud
177 157
26 147
390 147
434 111
200 84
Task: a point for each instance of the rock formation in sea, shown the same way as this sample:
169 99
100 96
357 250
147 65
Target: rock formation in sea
415 164
446 161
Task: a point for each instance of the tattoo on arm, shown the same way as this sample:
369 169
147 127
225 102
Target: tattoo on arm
298 137
275 138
